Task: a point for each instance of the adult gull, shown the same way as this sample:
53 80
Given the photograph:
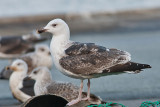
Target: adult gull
86 60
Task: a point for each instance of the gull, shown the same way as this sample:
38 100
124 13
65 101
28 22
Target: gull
46 85
20 69
40 57
86 60
14 46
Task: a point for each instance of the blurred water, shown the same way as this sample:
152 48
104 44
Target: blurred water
144 47
32 7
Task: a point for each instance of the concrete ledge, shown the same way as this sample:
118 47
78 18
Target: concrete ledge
80 22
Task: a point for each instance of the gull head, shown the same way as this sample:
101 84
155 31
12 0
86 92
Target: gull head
43 50
41 73
56 27
18 66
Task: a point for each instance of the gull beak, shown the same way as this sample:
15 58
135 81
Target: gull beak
49 53
41 30
11 68
27 78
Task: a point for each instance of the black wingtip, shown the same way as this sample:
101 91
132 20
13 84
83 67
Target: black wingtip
149 66
137 66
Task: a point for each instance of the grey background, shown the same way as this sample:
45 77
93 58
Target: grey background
12 8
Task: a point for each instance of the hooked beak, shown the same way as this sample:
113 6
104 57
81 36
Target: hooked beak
11 68
41 30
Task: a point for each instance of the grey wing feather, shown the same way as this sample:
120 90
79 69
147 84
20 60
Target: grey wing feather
28 86
14 45
9 44
86 59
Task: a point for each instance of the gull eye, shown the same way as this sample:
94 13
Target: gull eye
35 72
19 64
54 25
42 49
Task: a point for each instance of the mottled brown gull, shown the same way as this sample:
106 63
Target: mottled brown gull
45 85
86 60
20 69
41 57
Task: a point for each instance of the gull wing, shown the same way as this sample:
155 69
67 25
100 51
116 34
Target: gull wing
88 58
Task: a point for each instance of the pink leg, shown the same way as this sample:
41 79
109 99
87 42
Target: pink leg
89 83
88 93
79 96
80 90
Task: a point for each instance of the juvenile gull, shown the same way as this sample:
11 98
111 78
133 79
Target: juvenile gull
41 57
14 46
20 69
45 85
86 60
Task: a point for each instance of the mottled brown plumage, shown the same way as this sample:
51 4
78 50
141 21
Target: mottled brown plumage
69 91
88 59
66 90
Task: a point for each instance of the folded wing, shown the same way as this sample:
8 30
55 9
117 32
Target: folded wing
88 58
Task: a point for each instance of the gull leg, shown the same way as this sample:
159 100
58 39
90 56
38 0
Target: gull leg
79 96
88 93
